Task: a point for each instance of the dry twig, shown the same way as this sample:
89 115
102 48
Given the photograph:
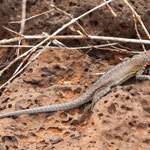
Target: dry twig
43 13
10 30
137 32
105 38
82 47
23 16
114 14
22 26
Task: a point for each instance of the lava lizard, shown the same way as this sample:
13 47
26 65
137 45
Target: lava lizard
117 75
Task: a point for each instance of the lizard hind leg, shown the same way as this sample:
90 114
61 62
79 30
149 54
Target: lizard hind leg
140 76
98 95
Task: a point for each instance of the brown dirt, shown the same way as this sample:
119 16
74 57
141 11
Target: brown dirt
120 120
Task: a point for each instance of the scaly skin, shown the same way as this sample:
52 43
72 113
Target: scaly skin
113 77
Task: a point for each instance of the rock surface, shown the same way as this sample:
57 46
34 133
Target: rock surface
120 120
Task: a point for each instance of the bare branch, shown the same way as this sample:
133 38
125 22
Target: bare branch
137 32
71 37
43 13
82 47
114 14
23 16
11 31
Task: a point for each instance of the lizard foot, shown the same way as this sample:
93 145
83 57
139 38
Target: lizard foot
91 107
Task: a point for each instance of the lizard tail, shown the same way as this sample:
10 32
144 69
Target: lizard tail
50 108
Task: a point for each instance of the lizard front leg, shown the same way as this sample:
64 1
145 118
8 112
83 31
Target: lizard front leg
98 95
140 76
